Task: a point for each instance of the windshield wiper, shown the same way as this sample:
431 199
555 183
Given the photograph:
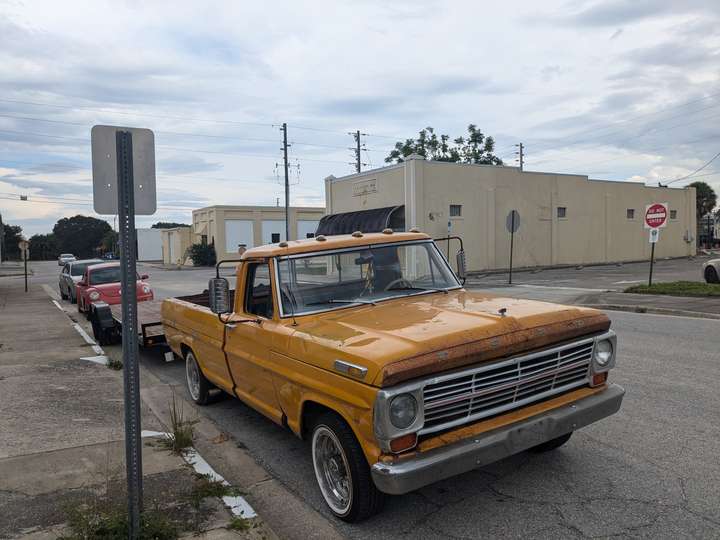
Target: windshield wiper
333 301
418 289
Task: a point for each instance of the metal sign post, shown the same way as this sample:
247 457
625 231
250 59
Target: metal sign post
654 236
126 156
24 253
512 224
128 276
655 218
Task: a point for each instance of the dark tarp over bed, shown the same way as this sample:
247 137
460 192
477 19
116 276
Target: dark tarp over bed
367 221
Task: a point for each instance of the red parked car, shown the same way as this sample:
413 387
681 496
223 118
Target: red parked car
101 283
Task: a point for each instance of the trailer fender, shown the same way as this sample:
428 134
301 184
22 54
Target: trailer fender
100 311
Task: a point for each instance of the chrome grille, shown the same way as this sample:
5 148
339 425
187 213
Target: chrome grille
497 387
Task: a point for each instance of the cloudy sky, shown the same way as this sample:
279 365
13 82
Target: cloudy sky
621 90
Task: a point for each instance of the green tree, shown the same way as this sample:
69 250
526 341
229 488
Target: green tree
43 247
705 198
80 235
475 148
109 242
11 237
168 225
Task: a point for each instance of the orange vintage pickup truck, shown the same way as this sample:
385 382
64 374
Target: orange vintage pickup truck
368 346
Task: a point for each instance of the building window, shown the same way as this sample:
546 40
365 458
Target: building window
455 210
631 213
561 212
673 214
275 238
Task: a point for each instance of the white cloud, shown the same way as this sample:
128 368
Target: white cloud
589 87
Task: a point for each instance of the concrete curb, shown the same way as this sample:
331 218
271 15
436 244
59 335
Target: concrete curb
653 310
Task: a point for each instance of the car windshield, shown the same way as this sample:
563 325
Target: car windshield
78 269
100 276
361 276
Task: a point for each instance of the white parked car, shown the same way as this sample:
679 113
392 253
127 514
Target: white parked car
711 271
65 258
71 273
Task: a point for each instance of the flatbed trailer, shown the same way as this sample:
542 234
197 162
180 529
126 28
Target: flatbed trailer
106 321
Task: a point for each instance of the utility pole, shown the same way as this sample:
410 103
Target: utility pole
287 182
521 155
358 147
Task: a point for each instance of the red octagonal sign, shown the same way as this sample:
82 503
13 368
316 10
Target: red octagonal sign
655 216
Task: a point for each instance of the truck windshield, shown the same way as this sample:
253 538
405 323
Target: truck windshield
361 276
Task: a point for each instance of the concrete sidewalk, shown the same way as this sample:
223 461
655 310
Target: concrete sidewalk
13 268
62 443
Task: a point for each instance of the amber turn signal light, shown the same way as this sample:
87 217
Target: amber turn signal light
599 378
406 442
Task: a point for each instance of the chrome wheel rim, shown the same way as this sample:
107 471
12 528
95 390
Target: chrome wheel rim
192 373
332 470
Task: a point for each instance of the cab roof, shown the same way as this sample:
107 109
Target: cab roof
329 243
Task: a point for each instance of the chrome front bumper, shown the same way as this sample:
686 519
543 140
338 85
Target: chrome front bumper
467 454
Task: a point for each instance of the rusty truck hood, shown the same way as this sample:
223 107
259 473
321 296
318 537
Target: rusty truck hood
400 339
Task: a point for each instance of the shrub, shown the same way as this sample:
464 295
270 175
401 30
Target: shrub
202 254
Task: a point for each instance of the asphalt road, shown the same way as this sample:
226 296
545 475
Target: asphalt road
605 277
652 470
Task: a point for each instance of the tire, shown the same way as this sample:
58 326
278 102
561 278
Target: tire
711 275
552 444
198 386
336 450
73 298
63 296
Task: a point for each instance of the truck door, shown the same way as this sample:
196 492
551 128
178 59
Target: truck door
248 343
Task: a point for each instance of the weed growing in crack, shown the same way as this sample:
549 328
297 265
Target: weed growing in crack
114 363
182 431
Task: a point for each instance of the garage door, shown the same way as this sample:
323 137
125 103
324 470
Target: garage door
238 231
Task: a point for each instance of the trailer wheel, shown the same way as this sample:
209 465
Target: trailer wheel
198 385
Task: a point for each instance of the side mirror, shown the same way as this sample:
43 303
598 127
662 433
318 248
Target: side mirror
461 265
144 276
82 283
219 295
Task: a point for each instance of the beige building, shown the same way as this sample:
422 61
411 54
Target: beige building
230 226
175 243
564 219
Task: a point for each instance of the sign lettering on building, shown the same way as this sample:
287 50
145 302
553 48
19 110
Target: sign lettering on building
364 187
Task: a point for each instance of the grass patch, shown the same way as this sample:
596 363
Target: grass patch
205 487
238 523
111 522
114 363
182 431
678 288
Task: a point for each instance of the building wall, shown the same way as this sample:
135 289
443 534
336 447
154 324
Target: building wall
595 228
149 245
228 226
175 243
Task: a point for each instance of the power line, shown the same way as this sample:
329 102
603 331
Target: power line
693 173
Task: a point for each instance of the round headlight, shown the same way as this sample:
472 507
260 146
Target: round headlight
603 352
403 411
94 295
146 289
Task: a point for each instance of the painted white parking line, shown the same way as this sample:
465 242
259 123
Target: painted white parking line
100 359
235 503
57 305
84 334
628 282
